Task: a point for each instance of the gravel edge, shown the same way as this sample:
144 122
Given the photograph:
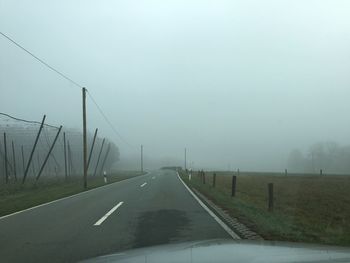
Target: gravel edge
242 230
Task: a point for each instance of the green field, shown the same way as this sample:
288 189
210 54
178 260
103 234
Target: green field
15 196
306 208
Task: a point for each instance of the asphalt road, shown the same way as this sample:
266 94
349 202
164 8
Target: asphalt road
143 211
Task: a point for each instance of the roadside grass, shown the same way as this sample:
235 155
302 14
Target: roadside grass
307 208
15 196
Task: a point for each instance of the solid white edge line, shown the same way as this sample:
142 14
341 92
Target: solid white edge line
142 185
211 213
100 221
67 197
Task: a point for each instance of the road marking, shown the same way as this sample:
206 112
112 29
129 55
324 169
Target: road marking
72 196
99 222
108 256
217 219
142 185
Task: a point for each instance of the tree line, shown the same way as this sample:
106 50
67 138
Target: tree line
328 156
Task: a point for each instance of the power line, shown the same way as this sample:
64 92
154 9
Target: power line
70 80
27 121
108 121
40 60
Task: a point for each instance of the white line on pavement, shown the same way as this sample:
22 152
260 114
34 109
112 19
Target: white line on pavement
99 222
142 185
217 219
71 196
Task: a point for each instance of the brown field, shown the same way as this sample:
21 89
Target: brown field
306 208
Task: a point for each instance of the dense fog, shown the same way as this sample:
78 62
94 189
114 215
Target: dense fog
255 85
23 135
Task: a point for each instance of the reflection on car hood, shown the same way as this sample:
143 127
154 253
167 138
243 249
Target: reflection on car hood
231 251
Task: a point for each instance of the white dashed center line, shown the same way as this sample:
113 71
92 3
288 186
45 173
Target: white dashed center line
142 185
99 222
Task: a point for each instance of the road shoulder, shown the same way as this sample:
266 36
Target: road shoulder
240 230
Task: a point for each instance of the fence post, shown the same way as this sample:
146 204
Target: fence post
69 159
234 183
33 149
33 169
65 155
14 160
105 158
48 155
23 159
270 190
214 180
92 148
38 159
99 156
6 167
203 178
321 171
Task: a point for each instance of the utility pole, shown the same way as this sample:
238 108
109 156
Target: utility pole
141 158
185 159
84 138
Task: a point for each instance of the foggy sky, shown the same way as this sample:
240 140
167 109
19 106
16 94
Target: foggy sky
239 83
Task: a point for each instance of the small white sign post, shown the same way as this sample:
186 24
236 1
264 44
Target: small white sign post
105 176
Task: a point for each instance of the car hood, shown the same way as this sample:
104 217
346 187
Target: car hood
231 251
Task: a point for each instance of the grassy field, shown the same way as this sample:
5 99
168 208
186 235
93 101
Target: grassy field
307 208
15 196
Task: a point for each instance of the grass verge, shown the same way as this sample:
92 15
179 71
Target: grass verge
312 209
15 196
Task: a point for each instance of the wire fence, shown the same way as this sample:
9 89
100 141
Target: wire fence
29 151
30 148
